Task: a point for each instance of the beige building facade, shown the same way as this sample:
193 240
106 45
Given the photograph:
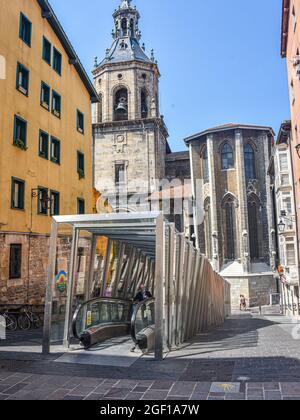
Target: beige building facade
130 134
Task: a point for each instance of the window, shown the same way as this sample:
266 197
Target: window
17 194
144 107
43 200
120 173
253 207
227 157
47 47
290 255
80 206
294 19
25 29
22 79
45 96
44 145
292 93
230 225
55 202
20 132
284 180
287 205
80 122
55 151
57 61
15 261
80 164
283 162
56 104
249 162
205 166
121 105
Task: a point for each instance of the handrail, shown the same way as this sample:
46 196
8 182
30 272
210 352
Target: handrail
99 299
134 315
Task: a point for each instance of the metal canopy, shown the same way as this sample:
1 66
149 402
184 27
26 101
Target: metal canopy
138 229
189 295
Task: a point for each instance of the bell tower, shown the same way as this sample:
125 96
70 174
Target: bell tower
130 134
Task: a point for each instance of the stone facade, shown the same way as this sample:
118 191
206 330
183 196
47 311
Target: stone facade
30 287
130 136
237 232
178 166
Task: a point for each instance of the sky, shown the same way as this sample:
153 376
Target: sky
219 60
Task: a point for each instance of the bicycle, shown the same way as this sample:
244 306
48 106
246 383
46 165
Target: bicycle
11 321
28 319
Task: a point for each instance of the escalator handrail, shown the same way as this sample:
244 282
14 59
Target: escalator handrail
91 301
134 315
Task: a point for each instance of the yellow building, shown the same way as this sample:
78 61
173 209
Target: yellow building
45 141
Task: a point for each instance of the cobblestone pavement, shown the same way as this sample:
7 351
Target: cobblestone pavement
253 358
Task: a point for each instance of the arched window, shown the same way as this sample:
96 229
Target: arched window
229 206
249 162
205 166
144 106
99 116
208 234
227 157
253 216
121 105
132 27
124 26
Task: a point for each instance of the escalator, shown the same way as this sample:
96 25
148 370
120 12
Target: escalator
101 319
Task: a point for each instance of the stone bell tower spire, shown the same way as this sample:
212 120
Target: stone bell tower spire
130 134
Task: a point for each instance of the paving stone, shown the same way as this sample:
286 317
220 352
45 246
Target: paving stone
15 388
140 389
290 389
255 392
271 386
162 385
133 396
182 389
199 396
58 395
73 397
202 387
120 393
82 390
225 387
155 395
273 395
94 397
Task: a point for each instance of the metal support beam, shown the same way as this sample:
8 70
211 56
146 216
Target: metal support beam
71 287
159 287
49 288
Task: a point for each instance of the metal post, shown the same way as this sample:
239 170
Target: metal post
159 287
71 287
89 282
106 267
172 259
49 288
119 269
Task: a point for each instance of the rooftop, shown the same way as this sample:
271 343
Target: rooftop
228 127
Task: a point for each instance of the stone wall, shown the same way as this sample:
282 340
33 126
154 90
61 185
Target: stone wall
256 289
31 287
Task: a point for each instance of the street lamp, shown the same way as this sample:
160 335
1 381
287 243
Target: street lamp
281 226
